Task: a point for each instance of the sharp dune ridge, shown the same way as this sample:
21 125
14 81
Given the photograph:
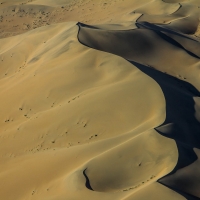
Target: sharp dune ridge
100 99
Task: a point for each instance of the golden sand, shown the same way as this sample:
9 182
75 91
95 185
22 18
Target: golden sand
99 100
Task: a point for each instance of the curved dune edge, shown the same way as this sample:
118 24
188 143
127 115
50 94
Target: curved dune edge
150 48
54 153
185 49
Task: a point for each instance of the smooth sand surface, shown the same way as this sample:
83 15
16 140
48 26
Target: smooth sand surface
99 100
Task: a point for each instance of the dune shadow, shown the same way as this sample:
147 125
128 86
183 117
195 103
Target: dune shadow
79 24
179 106
87 184
155 27
161 32
184 194
180 123
128 43
181 113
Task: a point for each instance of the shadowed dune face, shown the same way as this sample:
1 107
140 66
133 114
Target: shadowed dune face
151 49
186 179
179 122
182 126
145 45
104 108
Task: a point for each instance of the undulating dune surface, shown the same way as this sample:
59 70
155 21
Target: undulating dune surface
99 99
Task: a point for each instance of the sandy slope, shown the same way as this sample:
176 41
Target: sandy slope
79 123
60 104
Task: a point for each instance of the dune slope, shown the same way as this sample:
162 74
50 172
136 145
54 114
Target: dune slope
60 103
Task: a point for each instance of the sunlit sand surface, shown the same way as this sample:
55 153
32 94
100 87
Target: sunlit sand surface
100 100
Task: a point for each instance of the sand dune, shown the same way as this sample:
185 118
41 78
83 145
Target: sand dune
99 100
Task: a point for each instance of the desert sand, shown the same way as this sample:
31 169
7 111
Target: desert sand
99 99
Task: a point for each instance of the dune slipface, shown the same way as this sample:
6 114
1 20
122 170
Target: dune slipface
99 100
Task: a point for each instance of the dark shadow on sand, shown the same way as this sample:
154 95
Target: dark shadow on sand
180 105
187 196
87 184
155 27
161 32
180 112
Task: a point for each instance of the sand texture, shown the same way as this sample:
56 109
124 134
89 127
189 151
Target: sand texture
99 100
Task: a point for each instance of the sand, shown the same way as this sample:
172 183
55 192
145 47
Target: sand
99 100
